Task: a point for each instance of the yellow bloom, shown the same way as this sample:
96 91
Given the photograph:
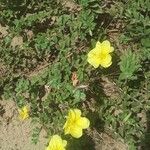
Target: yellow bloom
100 55
56 143
24 113
75 123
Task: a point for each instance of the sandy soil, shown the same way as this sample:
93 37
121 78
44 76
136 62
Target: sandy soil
16 134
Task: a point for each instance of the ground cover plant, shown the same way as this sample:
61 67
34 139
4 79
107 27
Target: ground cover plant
76 67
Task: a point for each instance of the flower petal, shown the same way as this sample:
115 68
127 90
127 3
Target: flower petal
94 52
71 114
106 43
98 45
94 62
23 113
107 61
47 148
111 49
64 143
77 113
55 139
76 132
107 65
56 142
67 127
83 122
93 56
106 48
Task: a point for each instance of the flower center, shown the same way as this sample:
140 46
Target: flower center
102 56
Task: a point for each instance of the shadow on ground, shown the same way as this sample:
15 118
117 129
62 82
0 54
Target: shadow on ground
83 143
146 141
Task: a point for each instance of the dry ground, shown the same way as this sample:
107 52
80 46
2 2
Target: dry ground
16 134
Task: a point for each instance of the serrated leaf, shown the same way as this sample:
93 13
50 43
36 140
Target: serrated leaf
129 65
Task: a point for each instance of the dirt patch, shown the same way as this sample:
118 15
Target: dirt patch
109 88
16 134
3 31
71 5
3 71
104 141
17 41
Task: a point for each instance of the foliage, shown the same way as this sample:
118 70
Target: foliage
129 65
48 69
137 14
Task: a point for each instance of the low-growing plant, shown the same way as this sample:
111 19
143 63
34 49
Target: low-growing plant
66 59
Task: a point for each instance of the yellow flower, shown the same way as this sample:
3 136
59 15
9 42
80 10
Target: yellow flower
56 143
75 123
100 55
24 113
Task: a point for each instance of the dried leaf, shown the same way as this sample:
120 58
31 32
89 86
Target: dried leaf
74 79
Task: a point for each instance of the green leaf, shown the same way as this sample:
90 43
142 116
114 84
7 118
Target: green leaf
79 96
129 65
146 42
